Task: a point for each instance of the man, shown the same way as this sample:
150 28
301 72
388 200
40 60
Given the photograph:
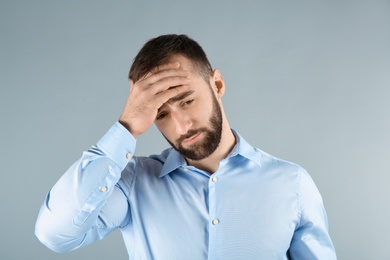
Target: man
211 196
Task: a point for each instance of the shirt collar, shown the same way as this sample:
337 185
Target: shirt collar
244 149
175 160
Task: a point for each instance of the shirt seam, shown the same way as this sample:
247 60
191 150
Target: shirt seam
299 178
95 193
131 189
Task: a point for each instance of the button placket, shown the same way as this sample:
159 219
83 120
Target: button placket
215 221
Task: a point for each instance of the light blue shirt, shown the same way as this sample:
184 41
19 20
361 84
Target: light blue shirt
254 206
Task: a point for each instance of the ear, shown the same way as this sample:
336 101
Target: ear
218 83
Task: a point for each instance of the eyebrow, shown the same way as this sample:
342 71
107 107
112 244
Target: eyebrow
181 96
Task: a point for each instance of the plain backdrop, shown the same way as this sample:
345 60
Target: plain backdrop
307 81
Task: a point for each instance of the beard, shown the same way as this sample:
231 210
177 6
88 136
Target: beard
212 137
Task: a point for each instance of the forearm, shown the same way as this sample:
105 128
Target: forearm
69 217
311 239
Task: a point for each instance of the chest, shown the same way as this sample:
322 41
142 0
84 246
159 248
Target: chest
232 214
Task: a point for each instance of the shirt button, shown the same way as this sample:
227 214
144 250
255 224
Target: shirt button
128 155
215 221
103 189
185 169
214 179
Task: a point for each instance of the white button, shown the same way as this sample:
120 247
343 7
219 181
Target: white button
103 189
215 222
214 179
185 169
128 155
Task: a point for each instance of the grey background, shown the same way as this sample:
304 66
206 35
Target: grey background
307 81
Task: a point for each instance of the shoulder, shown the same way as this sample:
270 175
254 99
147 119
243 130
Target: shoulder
148 167
265 160
151 163
270 161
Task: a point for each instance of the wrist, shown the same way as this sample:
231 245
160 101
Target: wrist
127 125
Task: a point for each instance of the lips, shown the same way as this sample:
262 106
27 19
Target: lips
191 139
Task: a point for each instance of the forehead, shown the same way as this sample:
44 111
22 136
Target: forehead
198 84
185 63
198 87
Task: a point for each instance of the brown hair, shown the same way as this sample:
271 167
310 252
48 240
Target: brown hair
159 50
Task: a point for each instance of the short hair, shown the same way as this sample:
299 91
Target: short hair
159 50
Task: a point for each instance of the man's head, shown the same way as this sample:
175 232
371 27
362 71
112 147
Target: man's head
193 121
159 51
211 131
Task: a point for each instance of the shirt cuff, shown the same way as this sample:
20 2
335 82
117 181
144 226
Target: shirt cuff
118 144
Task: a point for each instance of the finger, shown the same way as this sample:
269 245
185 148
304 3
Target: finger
164 96
173 65
167 73
163 80
168 83
165 83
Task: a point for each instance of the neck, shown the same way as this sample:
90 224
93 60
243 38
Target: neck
211 163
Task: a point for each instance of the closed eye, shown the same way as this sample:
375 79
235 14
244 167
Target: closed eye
161 116
188 102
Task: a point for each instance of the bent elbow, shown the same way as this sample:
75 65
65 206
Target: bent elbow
54 241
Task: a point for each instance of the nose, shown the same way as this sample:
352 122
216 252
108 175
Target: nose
181 122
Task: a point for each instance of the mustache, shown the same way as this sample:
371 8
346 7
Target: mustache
190 133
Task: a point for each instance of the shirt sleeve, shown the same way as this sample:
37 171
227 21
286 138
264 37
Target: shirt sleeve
311 239
85 204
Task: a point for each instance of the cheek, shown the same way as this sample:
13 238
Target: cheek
204 113
166 129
